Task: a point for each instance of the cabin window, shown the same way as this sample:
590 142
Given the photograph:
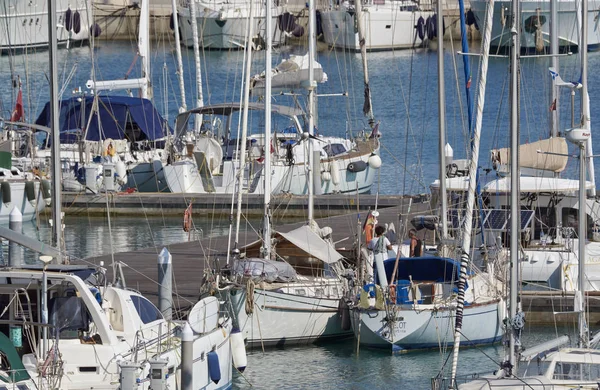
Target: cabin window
146 310
577 371
300 291
570 219
319 292
545 219
334 149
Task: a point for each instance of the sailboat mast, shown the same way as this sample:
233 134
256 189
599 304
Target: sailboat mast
442 121
243 136
267 162
468 218
312 39
585 98
367 106
183 105
514 178
554 95
55 150
196 45
144 48
583 151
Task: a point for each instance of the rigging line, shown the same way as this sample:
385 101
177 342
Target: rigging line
407 110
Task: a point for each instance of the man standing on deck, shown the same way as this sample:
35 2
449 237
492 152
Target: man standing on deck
380 246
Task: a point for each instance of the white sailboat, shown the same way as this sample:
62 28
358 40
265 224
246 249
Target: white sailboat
415 305
294 298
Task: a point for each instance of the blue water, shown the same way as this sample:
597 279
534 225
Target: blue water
403 87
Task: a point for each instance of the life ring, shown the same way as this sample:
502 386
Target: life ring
187 220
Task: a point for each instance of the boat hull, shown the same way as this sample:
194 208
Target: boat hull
281 319
388 28
538 10
425 327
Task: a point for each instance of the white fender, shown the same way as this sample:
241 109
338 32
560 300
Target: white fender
335 173
374 161
325 176
121 172
238 350
501 311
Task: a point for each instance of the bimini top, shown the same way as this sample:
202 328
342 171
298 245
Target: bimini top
536 184
116 117
229 108
426 268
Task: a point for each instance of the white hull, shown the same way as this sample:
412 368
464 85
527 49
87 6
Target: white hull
24 24
567 23
224 25
183 177
283 319
387 28
426 327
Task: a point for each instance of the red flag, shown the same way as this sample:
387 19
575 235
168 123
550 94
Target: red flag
553 105
17 113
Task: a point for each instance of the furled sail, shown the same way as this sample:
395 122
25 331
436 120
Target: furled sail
530 156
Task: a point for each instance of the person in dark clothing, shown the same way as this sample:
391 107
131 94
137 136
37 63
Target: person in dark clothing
416 245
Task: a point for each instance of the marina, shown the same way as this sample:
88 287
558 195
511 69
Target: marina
358 194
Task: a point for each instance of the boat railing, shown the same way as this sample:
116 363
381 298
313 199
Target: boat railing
443 383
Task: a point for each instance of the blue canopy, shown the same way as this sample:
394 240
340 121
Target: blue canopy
116 117
426 268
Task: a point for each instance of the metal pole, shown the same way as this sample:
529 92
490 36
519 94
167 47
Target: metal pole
582 233
585 98
187 358
165 287
267 146
554 96
15 253
44 312
183 105
54 115
311 104
195 44
514 179
442 120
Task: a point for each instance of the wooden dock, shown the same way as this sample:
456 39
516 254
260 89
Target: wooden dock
287 205
190 259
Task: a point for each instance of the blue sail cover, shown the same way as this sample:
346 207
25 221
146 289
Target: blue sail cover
426 268
116 117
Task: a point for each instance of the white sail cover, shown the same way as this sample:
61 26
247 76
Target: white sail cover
310 242
530 158
536 184
290 73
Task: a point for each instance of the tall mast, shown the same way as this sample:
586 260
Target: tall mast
312 39
144 47
55 150
195 44
367 106
554 95
514 179
183 105
442 121
242 155
585 98
583 151
468 219
267 162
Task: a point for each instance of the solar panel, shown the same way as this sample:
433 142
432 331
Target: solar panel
496 219
526 216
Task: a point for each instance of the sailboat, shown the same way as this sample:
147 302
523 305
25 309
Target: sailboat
294 298
413 302
67 327
550 365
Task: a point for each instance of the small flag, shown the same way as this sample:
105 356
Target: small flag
553 106
17 113
375 132
469 83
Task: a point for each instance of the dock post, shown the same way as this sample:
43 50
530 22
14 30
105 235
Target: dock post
165 289
187 357
15 252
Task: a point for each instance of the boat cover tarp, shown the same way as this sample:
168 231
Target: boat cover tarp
309 243
267 270
426 268
530 158
8 350
536 184
114 114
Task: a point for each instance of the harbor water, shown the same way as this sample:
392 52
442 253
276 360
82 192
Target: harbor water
404 90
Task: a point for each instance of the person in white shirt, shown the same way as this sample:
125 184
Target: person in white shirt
380 246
